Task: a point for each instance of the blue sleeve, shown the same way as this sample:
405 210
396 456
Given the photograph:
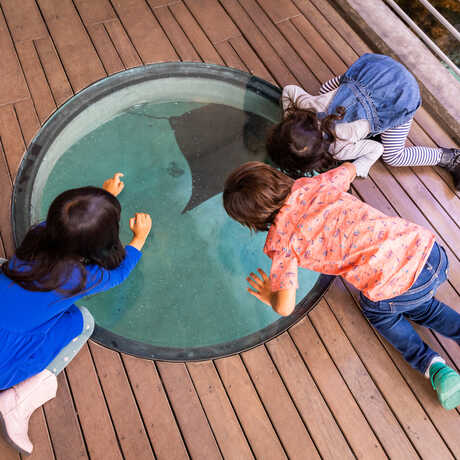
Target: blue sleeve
99 279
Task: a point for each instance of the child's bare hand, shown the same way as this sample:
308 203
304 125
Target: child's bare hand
262 288
114 185
140 225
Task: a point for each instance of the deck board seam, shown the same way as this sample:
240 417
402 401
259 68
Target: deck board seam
50 37
233 408
77 415
203 409
380 339
263 404
246 64
355 349
96 371
181 28
137 404
342 376
126 32
163 386
243 35
294 401
264 34
329 46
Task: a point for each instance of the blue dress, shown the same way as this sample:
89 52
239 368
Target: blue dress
378 89
35 326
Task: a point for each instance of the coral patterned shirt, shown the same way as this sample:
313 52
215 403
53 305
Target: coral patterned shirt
325 229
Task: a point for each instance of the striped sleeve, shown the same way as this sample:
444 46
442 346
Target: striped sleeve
330 85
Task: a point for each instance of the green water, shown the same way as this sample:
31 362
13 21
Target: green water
189 289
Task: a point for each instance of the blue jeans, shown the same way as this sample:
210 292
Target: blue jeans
390 316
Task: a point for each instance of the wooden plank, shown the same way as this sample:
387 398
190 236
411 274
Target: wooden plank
2 247
320 23
95 11
373 196
177 37
357 380
309 56
123 45
55 73
289 56
279 10
7 452
393 387
321 46
105 49
144 31
6 188
342 27
315 413
249 409
434 129
75 49
38 434
407 209
63 424
231 59
418 193
28 119
221 416
251 60
13 87
125 415
446 422
258 42
445 191
281 410
11 136
189 413
25 23
36 80
155 409
195 34
100 437
159 3
213 19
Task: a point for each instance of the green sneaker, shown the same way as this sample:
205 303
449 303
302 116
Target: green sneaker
446 382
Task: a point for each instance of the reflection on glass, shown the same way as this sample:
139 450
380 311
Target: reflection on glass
189 289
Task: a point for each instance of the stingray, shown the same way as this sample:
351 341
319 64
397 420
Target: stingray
215 139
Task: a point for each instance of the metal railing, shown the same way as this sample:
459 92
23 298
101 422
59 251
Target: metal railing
423 36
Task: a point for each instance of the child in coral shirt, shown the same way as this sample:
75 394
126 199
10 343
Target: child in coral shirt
314 223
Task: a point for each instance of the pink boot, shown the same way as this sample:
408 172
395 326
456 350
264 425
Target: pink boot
19 402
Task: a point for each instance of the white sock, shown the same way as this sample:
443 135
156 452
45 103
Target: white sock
436 359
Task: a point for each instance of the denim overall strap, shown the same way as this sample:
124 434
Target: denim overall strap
378 89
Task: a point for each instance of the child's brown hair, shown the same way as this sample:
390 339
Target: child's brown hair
299 143
254 193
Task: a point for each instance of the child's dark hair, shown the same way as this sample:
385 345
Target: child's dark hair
254 193
299 143
81 228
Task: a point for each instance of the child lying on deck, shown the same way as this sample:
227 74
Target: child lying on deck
314 223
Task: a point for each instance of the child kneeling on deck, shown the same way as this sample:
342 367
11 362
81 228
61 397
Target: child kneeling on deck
314 223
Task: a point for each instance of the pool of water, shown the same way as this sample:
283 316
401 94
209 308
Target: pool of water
175 140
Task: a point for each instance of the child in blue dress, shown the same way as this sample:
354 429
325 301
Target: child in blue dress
375 96
75 253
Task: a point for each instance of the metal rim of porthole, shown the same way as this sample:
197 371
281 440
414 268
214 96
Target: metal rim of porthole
36 152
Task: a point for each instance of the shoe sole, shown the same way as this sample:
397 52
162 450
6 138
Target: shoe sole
8 439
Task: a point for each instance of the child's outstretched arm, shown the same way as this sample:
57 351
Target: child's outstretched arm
283 301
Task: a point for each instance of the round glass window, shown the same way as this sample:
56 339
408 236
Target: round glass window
175 130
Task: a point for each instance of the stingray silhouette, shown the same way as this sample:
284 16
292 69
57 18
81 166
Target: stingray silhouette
215 139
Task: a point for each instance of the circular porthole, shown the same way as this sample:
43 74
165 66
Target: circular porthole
175 130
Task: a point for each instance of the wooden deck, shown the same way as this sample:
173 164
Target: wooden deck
328 388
